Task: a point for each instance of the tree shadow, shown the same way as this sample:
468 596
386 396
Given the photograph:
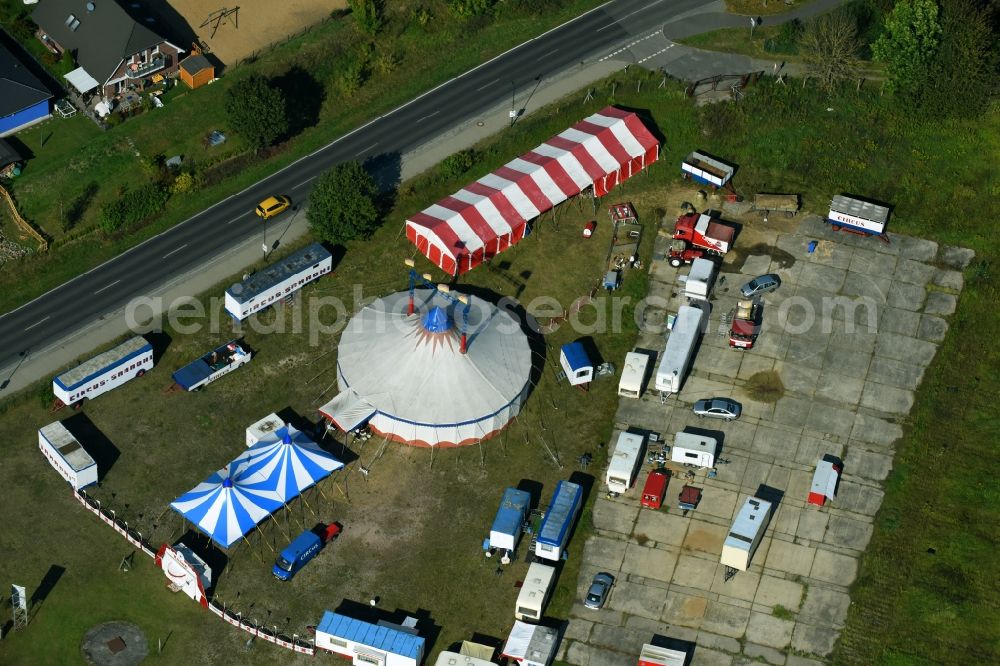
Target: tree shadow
94 442
304 97
45 587
387 171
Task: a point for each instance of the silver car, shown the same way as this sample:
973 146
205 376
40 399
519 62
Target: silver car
599 589
760 285
718 408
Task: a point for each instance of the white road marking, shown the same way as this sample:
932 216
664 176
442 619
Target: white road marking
107 286
487 85
175 250
629 45
657 53
429 115
40 321
622 18
365 150
546 55
295 187
235 219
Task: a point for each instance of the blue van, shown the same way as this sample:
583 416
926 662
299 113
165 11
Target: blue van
305 547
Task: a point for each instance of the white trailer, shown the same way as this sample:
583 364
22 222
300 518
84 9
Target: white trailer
625 462
857 215
531 644
278 281
67 455
263 429
654 655
706 170
699 280
692 449
216 363
558 521
746 533
104 372
634 375
680 349
534 592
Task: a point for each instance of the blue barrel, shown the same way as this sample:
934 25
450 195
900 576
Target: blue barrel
812 246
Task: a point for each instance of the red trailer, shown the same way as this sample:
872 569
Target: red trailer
696 235
824 482
655 488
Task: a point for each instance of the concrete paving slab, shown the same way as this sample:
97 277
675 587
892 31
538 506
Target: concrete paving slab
870 262
696 387
790 558
903 348
932 328
578 629
839 388
786 518
795 660
764 653
946 279
662 527
812 524
799 482
741 586
705 657
770 631
940 303
918 249
684 609
850 314
578 653
847 532
855 341
752 409
615 516
725 619
704 538
810 639
868 464
837 255
603 552
648 562
869 287
756 264
849 363
617 639
895 320
788 411
805 352
774 591
824 278
756 474
811 449
828 419
906 296
825 606
718 502
888 399
799 380
895 373
652 627
696 572
635 599
875 430
859 498
771 342
751 364
736 469
834 568
706 639
914 272
956 257
724 362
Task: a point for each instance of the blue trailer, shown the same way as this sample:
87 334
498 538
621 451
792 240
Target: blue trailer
558 520
212 365
506 530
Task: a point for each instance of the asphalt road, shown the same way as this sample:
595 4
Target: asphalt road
57 314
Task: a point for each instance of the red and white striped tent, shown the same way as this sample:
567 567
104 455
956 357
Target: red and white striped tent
486 217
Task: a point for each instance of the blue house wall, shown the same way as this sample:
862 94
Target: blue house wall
24 116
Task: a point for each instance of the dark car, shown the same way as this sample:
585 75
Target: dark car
599 589
719 408
760 285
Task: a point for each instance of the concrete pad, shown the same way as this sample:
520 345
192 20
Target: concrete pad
798 379
825 606
741 586
596 656
684 609
812 524
718 502
577 629
906 296
839 388
614 516
918 249
756 264
888 399
753 409
804 352
578 653
869 262
799 483
956 257
859 498
834 568
696 388
786 518
779 592
794 660
824 278
914 272
833 420
652 627
903 322
705 538
848 533
725 619
867 286
751 364
662 527
812 449
940 303
848 363
854 341
868 464
656 563
771 342
902 348
953 280
604 553
763 653
769 630
706 657
875 430
636 599
895 373
932 328
849 314
706 639
724 362
756 474
787 411
696 572
790 558
620 639
835 254
734 472
810 639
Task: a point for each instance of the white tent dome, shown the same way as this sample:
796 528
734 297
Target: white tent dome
408 378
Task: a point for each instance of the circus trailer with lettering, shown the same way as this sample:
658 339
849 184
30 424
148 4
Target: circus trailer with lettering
106 371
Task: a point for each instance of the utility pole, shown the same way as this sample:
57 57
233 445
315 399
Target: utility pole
753 24
513 112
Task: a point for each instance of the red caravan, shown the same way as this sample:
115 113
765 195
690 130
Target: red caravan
486 217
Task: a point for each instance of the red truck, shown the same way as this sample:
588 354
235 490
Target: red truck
746 324
696 235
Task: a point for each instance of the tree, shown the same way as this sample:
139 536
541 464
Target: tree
829 45
907 45
342 204
368 14
256 109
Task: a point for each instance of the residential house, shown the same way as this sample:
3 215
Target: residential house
24 100
114 51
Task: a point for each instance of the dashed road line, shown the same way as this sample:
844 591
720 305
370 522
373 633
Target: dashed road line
663 50
107 286
40 321
629 45
177 249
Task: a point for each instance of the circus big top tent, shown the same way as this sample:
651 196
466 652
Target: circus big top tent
407 377
261 480
486 217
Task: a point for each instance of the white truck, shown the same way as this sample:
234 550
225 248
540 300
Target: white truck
625 462
104 372
634 375
746 533
211 366
699 281
534 592
692 449
67 455
679 352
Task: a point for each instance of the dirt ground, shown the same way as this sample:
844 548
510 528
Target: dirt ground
257 24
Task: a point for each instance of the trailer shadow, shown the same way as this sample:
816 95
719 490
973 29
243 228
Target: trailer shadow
668 643
533 488
45 588
160 340
718 435
94 442
770 494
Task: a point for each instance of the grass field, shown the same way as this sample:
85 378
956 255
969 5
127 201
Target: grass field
425 521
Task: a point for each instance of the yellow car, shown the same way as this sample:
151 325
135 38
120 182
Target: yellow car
272 206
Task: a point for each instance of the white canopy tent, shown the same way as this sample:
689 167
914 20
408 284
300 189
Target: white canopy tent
81 80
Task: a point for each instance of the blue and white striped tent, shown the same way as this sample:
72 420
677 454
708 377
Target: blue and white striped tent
234 500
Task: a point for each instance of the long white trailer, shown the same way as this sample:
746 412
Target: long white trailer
692 449
634 375
625 462
857 215
278 281
706 170
104 372
746 533
558 520
67 455
680 349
